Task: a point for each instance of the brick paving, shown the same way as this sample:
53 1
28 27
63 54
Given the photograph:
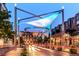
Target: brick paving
4 50
14 52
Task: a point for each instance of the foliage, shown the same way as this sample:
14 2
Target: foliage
40 40
4 14
5 26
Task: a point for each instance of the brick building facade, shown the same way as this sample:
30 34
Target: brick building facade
71 26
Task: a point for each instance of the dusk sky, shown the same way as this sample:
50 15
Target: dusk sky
40 8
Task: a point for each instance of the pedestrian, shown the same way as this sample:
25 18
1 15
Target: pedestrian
70 41
21 42
66 41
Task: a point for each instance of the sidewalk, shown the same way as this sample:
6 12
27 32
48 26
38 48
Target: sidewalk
10 51
14 52
4 50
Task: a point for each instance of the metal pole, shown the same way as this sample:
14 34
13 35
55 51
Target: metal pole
15 24
0 6
50 37
28 12
62 26
18 28
18 35
39 15
63 31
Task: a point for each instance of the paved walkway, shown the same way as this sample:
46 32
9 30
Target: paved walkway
10 51
40 51
14 52
4 50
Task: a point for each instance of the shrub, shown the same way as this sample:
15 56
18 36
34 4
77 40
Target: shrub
73 51
59 48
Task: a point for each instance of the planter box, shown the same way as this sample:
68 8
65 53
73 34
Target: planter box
59 49
73 51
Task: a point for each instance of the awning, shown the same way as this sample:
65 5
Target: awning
44 22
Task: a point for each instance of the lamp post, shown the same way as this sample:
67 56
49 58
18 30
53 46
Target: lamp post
18 26
15 23
62 11
50 36
62 20
15 19
18 33
63 31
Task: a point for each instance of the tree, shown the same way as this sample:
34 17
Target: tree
5 26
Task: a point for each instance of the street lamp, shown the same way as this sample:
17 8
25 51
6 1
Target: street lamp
15 23
63 30
15 19
15 4
62 20
62 7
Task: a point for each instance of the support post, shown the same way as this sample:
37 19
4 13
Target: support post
50 37
18 35
63 31
15 24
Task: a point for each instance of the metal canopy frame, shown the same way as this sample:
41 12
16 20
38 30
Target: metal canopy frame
34 15
39 16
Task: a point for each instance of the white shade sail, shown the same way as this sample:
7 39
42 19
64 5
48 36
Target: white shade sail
44 22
